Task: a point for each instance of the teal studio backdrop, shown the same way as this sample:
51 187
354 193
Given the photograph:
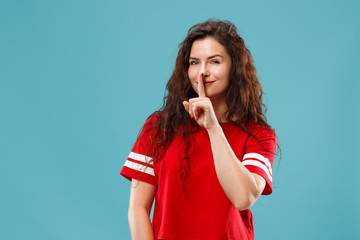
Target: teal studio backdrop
79 78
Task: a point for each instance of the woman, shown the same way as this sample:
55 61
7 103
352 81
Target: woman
206 156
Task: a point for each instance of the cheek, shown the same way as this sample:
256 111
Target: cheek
222 73
191 74
217 73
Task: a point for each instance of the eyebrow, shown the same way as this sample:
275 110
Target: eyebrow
212 56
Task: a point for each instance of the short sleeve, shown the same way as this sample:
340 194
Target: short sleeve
138 165
258 158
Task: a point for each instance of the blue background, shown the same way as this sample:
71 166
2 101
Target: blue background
79 78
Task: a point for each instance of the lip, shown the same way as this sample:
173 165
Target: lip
207 83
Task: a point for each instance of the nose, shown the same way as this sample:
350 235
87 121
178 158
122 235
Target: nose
204 70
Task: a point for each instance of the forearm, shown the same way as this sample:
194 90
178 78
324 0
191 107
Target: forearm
237 182
140 224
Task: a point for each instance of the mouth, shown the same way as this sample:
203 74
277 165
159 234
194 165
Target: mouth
207 83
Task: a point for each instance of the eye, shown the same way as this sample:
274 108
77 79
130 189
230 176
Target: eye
215 61
193 62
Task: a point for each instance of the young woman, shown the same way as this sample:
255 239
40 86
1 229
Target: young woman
206 156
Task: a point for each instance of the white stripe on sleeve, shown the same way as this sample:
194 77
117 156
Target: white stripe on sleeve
140 167
259 165
140 157
259 157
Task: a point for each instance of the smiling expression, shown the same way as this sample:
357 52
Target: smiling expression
209 57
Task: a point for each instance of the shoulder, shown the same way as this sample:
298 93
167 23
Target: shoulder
260 129
155 116
152 121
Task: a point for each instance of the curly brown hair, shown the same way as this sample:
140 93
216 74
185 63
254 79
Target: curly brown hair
243 97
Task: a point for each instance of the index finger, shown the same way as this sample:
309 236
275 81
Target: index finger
201 88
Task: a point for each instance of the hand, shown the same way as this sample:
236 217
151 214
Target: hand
200 108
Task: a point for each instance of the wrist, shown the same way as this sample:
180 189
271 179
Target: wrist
216 129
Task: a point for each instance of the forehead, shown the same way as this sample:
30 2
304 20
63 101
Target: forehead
206 47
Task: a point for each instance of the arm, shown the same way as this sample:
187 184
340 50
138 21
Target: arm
241 186
141 198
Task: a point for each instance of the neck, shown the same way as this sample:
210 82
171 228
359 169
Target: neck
220 108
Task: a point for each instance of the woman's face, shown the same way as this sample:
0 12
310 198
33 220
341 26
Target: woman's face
209 57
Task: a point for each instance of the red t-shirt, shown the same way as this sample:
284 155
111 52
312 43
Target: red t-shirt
203 211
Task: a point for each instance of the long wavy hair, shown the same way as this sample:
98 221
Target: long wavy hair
243 97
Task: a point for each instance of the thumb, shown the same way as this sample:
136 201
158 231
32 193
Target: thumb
186 105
